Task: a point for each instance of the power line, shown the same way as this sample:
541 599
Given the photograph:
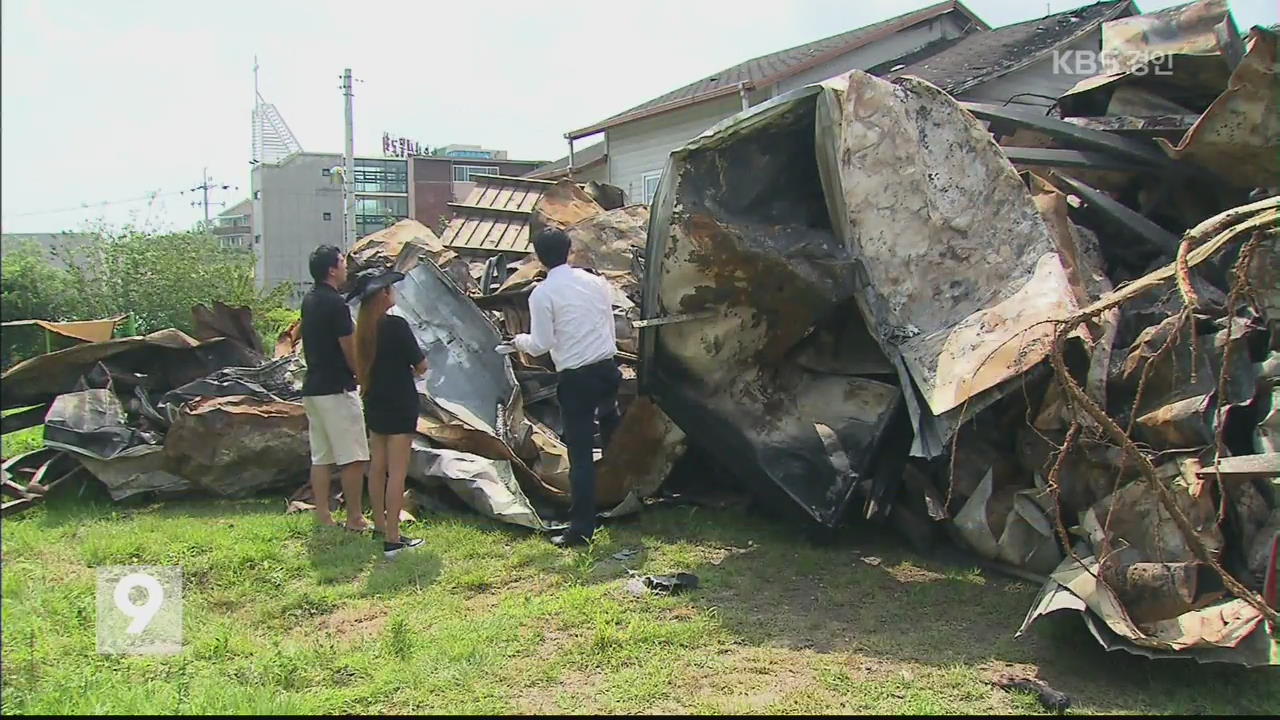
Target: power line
204 187
104 203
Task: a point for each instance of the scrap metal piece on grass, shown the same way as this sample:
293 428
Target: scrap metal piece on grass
1230 631
172 357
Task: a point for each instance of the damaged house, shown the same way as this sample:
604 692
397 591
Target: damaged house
945 43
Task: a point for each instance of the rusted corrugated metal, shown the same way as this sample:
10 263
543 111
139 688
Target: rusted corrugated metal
495 217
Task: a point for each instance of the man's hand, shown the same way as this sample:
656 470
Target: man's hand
505 348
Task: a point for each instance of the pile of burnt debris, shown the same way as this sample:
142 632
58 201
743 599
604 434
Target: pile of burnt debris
1052 339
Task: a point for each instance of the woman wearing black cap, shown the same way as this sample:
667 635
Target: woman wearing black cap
387 358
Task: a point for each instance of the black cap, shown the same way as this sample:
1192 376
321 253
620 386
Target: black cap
370 281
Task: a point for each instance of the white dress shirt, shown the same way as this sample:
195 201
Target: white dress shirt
571 314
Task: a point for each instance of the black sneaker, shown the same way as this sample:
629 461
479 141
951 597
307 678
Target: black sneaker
390 550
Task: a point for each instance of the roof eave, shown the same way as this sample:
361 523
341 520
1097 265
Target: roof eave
921 15
982 24
564 170
656 110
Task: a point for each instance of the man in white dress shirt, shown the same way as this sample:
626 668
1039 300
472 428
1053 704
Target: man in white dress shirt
571 315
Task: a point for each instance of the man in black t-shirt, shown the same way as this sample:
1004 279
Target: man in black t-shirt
334 415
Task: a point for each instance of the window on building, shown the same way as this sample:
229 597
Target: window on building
257 194
464 173
326 172
375 213
650 189
382 176
328 216
257 239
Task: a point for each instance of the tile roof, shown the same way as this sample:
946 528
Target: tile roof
979 57
776 66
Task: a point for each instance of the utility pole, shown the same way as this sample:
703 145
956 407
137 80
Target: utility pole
349 162
204 187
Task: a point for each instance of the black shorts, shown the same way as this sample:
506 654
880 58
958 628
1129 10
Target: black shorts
402 420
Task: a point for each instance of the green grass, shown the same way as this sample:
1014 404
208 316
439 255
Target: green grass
22 441
283 617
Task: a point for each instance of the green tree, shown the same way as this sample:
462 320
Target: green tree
157 278
31 287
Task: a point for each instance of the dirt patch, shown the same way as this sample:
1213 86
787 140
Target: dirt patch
349 625
681 613
488 598
574 691
749 679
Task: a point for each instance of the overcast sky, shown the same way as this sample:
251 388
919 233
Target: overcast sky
109 100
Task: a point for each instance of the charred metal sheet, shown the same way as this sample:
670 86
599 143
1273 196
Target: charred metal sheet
1026 537
741 229
126 476
94 423
1238 137
1175 125
1070 133
1264 465
644 448
1138 225
1177 60
1204 28
278 380
384 247
609 197
464 373
1230 631
1082 257
488 486
843 346
959 313
471 400
1055 157
237 445
562 205
1183 423
170 357
223 321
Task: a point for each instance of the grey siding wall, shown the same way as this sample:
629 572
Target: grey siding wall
894 46
642 146
639 148
288 217
1041 77
599 173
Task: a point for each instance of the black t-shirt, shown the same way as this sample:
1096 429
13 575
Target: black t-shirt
325 318
391 387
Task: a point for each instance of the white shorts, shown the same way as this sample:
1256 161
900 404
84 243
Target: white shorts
336 426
